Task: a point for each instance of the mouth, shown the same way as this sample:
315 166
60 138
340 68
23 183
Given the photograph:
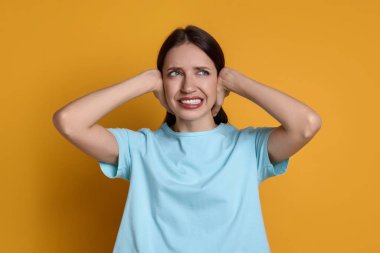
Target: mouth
190 100
191 103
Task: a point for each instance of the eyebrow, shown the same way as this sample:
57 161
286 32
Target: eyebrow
197 67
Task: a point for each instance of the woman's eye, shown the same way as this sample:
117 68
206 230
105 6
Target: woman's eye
175 72
206 72
171 73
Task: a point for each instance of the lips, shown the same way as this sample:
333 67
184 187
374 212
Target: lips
190 98
191 106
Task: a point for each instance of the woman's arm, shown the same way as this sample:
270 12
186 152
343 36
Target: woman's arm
77 120
299 122
85 111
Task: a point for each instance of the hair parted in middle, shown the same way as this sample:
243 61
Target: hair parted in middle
207 43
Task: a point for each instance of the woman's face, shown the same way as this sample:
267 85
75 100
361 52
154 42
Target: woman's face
190 82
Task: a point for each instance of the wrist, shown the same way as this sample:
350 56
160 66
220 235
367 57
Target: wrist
231 79
151 79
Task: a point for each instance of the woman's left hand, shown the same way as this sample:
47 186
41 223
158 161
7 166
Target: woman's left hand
222 89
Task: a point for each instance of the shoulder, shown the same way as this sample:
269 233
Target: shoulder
134 137
256 131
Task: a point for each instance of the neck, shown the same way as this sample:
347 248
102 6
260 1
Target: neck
193 126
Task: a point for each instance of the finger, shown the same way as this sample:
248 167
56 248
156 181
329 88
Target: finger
161 97
164 102
214 110
218 104
168 109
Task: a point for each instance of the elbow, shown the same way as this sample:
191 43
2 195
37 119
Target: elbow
60 122
313 126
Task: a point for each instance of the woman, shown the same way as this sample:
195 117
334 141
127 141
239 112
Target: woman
194 182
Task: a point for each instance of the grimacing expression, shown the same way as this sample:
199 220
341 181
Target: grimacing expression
189 72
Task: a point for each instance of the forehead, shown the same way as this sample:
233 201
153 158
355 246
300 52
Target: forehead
187 55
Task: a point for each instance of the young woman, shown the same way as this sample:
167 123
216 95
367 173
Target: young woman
194 182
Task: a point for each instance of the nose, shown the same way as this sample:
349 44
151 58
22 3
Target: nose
188 85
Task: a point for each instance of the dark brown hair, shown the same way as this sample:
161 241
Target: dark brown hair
203 40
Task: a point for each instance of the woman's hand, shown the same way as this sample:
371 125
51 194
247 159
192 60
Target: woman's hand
158 87
225 79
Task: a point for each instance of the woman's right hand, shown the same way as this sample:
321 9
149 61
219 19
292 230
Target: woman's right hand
158 87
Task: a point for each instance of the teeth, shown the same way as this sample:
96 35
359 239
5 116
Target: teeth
191 101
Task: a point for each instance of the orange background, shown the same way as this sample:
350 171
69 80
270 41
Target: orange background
325 53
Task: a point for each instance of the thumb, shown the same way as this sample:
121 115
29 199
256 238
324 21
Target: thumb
216 108
164 101
218 104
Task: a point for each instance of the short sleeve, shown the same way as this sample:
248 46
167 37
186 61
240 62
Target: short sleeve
265 168
127 141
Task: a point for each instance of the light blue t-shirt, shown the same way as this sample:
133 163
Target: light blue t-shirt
193 192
